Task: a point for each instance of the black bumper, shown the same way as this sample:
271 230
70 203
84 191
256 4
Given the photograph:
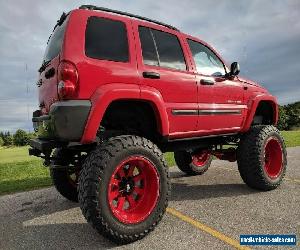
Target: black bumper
64 123
42 145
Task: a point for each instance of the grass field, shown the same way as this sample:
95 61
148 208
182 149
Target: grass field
21 172
292 138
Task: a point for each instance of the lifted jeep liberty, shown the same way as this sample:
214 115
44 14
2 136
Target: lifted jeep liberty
116 90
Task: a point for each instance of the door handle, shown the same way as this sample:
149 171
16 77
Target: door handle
207 82
151 75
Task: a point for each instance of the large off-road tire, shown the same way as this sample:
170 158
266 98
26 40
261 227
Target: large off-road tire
193 164
124 188
261 157
64 179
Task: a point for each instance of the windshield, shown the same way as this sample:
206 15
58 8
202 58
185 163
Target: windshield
55 42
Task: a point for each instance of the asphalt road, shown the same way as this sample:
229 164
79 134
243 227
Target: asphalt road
210 212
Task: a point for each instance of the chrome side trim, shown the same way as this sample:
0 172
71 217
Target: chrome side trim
206 112
185 112
220 112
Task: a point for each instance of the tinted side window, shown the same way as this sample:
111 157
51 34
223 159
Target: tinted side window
169 50
148 47
206 61
106 39
161 49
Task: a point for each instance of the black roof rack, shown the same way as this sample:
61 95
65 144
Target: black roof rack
92 7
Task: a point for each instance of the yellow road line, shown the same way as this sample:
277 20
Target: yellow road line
206 229
293 180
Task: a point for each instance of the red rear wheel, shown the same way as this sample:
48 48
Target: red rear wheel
200 159
73 178
65 177
195 163
133 190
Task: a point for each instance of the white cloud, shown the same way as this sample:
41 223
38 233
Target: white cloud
263 36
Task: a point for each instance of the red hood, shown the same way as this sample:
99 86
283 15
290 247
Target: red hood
242 79
254 84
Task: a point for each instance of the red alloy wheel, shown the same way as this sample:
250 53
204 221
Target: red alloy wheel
133 190
273 158
200 159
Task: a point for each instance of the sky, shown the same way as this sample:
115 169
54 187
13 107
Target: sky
263 36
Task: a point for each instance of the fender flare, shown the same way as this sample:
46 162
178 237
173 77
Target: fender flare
106 94
154 97
252 106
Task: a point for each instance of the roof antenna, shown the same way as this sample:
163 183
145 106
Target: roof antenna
27 94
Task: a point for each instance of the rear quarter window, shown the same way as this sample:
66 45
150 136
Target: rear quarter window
106 39
55 42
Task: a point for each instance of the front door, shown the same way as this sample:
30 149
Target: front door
221 106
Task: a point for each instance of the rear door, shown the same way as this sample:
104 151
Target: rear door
47 81
163 66
220 99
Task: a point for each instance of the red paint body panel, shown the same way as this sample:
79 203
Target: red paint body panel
154 97
253 102
102 82
48 90
93 72
101 98
177 88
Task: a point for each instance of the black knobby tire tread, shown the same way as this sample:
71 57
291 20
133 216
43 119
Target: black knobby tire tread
249 158
60 178
183 162
94 167
60 181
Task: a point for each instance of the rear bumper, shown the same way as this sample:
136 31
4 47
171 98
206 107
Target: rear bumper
65 122
39 146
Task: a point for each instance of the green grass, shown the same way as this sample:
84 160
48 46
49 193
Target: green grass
170 159
21 172
292 138
15 154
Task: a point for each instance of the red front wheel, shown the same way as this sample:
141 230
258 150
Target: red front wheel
261 157
273 157
195 163
124 188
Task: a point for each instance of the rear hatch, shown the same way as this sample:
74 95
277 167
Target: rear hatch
47 82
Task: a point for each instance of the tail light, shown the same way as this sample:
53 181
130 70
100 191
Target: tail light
67 80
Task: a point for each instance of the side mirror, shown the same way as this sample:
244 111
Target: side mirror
234 69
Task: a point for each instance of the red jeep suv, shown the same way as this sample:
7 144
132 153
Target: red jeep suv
116 90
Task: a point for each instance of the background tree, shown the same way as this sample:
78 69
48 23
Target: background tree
283 119
293 114
21 138
7 139
289 117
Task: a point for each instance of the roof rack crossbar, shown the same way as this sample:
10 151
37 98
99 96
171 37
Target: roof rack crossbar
92 7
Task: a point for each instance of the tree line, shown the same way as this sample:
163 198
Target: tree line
289 119
19 138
